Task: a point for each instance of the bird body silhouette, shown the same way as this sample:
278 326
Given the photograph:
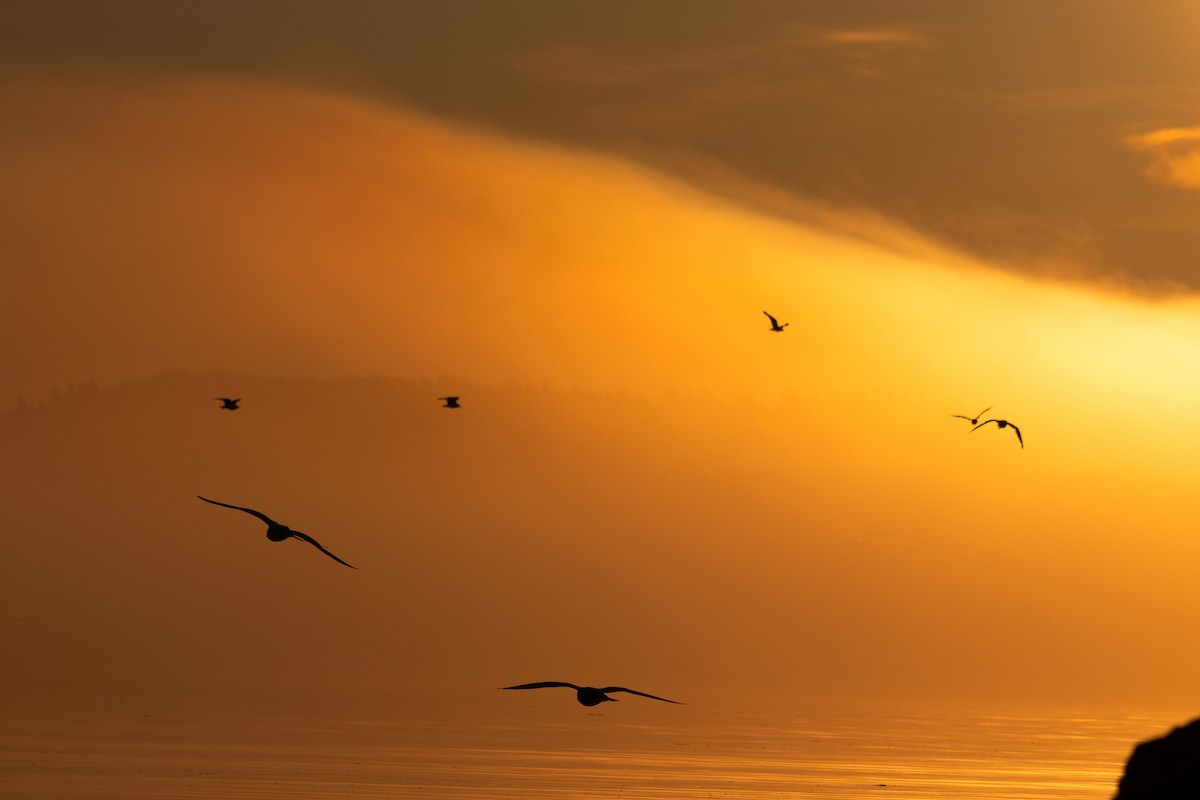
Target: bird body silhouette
277 532
450 402
590 695
975 419
775 326
229 403
1001 423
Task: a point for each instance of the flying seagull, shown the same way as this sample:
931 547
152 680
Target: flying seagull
973 420
229 403
1001 423
277 532
450 402
590 695
775 326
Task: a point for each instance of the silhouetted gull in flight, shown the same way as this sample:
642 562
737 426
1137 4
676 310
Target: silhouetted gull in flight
450 402
229 403
973 420
1001 423
590 695
775 326
277 532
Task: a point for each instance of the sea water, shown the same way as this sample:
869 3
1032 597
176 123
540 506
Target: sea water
544 745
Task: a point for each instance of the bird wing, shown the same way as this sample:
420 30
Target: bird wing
1017 431
251 511
960 416
985 422
608 689
981 413
305 537
543 685
774 322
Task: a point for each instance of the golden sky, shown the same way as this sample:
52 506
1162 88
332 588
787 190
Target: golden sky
582 221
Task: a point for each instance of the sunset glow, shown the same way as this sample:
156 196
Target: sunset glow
580 232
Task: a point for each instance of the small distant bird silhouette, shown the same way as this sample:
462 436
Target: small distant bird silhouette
973 420
450 402
590 695
277 532
229 403
775 326
1001 423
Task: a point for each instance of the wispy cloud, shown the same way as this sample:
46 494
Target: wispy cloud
906 35
1159 138
1175 155
717 87
790 45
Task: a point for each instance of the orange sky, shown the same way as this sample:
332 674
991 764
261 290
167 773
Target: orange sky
690 499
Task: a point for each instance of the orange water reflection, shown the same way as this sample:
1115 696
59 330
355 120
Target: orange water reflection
526 751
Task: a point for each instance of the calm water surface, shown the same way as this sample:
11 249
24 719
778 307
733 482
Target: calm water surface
535 748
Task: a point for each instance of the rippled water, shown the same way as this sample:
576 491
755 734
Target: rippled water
537 748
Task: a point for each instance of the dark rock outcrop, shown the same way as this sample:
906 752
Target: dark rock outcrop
1164 769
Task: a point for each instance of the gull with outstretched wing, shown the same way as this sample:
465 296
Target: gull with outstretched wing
1001 423
590 695
775 326
277 532
975 419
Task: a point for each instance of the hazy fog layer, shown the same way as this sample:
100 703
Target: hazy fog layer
701 549
644 485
